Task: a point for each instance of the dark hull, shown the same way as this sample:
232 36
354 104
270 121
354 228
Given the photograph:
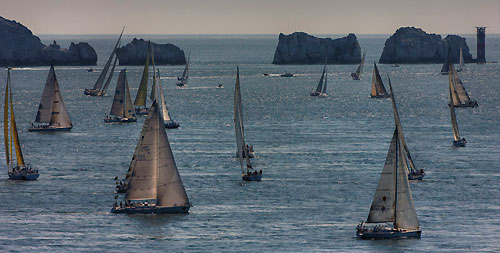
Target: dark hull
24 174
388 234
92 92
314 94
252 177
152 210
460 143
119 120
171 125
380 96
141 111
416 176
354 76
121 188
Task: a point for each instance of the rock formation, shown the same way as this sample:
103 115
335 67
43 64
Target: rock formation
414 46
302 48
19 47
135 52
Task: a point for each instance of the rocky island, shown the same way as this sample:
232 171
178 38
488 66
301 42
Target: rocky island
302 48
19 47
135 52
412 45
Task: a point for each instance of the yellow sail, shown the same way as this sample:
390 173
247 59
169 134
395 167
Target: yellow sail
140 99
6 120
19 153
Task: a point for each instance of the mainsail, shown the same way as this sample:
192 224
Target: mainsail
324 85
185 73
400 129
321 80
378 88
164 108
460 95
154 174
52 110
238 127
13 128
122 103
359 70
99 83
140 99
454 126
102 92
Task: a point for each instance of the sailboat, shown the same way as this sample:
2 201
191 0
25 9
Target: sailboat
392 213
378 89
52 114
99 89
248 173
167 120
321 89
155 185
121 109
457 142
460 96
20 170
140 99
182 80
413 172
357 75
461 64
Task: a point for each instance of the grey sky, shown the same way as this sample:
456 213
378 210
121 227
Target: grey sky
251 16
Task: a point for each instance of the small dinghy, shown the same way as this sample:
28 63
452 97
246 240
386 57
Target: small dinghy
154 185
20 170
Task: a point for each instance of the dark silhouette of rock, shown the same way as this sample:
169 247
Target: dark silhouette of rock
135 52
302 48
19 47
414 46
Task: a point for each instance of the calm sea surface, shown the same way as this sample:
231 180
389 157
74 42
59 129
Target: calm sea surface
321 157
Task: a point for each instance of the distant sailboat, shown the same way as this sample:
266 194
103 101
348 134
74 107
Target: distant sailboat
321 89
99 89
121 109
458 142
392 213
248 173
460 96
52 114
167 120
413 172
182 80
357 75
20 170
155 185
378 89
140 99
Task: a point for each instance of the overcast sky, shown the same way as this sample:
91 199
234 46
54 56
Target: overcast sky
251 16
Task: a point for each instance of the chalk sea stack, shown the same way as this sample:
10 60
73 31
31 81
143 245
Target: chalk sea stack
412 45
302 48
135 52
19 47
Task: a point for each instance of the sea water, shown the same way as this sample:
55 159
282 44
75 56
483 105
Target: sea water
321 157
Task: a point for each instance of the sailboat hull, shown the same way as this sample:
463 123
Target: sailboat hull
388 234
119 120
92 92
171 125
354 76
151 210
252 177
141 111
48 129
24 173
460 143
315 94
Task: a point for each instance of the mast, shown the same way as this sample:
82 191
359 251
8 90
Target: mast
454 125
399 127
5 122
104 72
238 121
140 99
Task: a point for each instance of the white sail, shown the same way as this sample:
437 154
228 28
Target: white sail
170 189
324 85
406 216
383 206
143 181
104 72
164 108
454 126
52 109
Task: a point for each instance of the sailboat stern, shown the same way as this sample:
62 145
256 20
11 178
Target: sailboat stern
385 232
